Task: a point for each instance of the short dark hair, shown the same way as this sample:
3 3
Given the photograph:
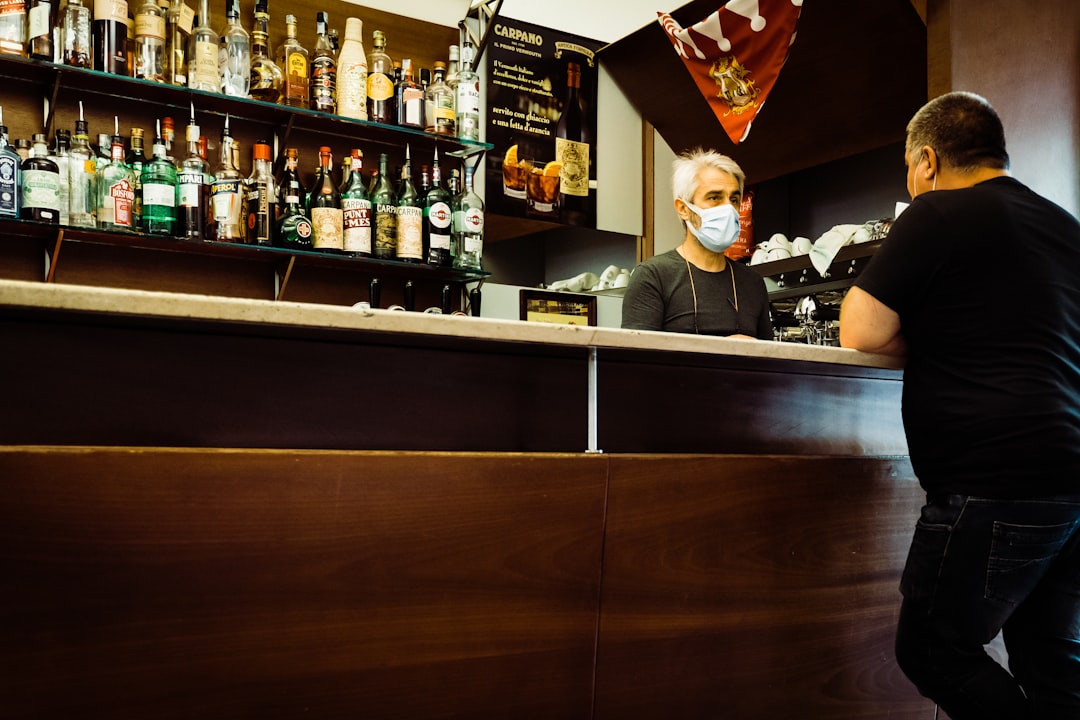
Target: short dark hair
963 129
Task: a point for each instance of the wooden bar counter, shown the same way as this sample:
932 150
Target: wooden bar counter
227 508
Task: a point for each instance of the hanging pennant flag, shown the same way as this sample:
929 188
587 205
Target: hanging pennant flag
735 56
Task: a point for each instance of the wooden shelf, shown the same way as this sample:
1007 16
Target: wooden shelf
794 277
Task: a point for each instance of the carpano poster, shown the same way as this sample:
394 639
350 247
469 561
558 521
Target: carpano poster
541 120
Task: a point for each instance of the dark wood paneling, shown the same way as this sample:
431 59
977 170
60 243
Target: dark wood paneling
855 75
230 584
657 403
749 588
112 381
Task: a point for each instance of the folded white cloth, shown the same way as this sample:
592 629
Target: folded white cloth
825 247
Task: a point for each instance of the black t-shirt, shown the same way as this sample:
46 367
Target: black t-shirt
986 281
660 296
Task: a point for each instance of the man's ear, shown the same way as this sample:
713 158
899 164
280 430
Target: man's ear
933 163
682 210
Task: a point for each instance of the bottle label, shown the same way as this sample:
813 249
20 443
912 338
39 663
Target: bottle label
39 20
327 228
298 69
323 77
149 26
12 7
352 89
204 73
158 194
189 188
225 199
8 185
386 229
186 19
357 214
117 208
474 220
410 229
574 176
116 10
413 111
41 189
474 244
439 215
379 86
468 98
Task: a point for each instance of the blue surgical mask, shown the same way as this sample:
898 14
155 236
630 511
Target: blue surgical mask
719 226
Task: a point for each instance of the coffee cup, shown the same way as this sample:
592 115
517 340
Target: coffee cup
778 253
801 246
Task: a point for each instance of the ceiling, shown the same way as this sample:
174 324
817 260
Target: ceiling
855 75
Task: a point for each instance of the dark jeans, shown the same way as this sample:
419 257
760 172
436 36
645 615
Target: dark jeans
979 566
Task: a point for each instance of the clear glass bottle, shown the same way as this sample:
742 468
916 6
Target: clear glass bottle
115 188
384 206
468 225
294 228
323 70
178 25
453 57
193 190
234 55
437 219
292 58
13 24
261 197
39 30
467 100
40 185
356 207
76 46
203 72
62 157
409 98
159 191
324 201
439 104
150 27
10 175
109 33
380 81
352 70
410 217
266 76
227 192
81 172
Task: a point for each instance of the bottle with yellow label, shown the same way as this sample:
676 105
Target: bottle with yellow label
380 81
292 58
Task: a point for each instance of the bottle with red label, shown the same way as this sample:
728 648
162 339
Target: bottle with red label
116 188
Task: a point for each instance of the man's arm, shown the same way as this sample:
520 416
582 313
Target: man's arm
869 325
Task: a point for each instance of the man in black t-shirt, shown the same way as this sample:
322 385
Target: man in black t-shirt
978 283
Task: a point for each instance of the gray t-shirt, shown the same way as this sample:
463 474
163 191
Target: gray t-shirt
660 296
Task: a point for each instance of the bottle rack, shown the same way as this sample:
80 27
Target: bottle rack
56 82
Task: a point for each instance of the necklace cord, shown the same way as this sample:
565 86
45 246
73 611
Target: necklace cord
734 294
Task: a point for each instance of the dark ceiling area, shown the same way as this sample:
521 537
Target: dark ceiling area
854 76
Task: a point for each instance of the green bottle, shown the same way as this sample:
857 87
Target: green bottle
159 191
410 218
293 228
384 205
356 206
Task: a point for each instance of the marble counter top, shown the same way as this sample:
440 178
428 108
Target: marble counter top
139 303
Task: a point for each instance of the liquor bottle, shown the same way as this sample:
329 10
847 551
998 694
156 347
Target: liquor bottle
323 71
227 192
384 206
572 149
13 28
159 188
62 158
356 206
266 76
104 150
22 148
109 33
453 56
468 225
192 189
150 27
380 81
261 197
40 185
294 228
352 70
234 54
327 221
409 98
10 175
203 72
177 38
136 160
439 104
168 135
115 188
289 174
437 218
76 48
39 29
410 216
292 58
467 101
81 171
